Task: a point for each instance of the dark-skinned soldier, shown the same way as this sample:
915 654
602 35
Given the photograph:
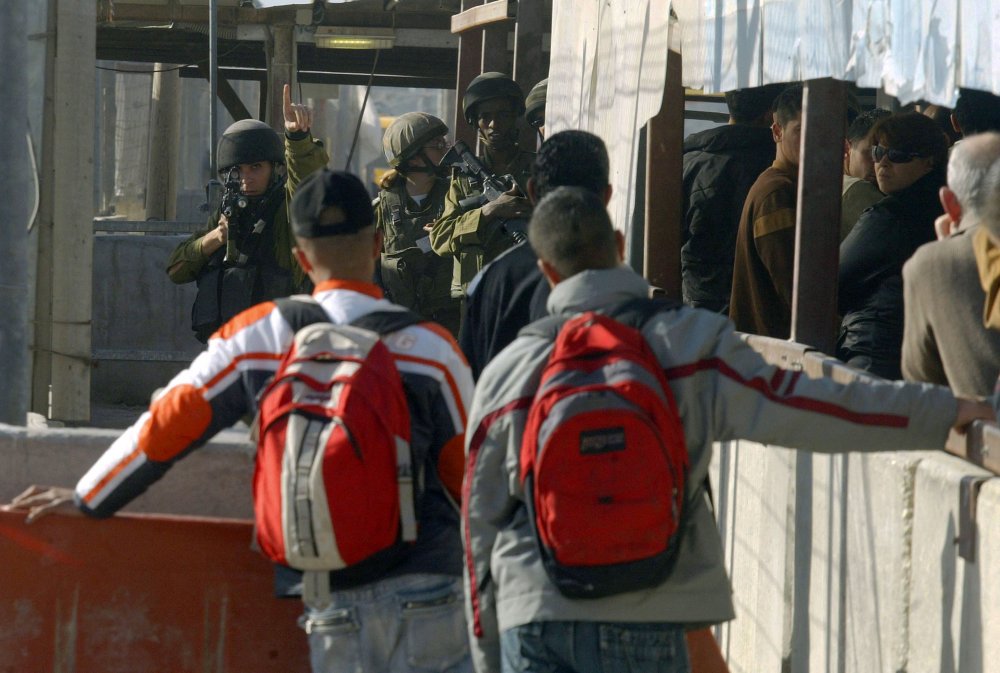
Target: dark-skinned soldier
492 104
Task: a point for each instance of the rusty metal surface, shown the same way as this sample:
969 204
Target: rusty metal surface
141 594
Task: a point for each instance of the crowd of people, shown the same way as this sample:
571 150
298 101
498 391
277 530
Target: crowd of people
473 588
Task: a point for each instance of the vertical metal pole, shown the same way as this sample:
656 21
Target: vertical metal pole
213 81
817 234
17 186
664 147
531 64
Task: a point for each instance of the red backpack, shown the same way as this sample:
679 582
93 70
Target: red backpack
604 460
334 484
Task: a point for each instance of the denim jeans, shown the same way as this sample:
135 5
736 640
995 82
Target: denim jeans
411 623
594 647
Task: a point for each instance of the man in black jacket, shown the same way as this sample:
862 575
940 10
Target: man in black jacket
720 165
511 292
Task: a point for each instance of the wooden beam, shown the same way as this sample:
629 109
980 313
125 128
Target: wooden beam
164 142
280 71
817 233
663 217
470 54
483 15
497 57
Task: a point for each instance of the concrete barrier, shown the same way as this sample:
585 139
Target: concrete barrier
213 481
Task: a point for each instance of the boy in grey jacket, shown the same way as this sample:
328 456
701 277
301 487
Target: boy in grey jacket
724 390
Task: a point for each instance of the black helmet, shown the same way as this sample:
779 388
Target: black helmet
491 85
248 141
408 134
534 104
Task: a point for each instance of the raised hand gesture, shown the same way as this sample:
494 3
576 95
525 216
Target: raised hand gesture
298 117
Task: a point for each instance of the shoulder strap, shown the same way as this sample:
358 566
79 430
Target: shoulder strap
387 322
633 312
302 310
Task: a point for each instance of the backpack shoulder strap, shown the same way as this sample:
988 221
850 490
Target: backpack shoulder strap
300 311
633 312
387 322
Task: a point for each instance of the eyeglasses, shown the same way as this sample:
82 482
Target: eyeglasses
441 145
536 122
895 156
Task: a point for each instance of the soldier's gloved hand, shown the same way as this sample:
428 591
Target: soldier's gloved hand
510 206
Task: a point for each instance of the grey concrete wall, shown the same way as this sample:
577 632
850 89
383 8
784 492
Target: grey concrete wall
213 481
141 320
881 587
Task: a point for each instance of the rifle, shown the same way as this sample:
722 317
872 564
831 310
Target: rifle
494 186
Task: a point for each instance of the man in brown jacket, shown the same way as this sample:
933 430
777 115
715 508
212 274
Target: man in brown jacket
761 301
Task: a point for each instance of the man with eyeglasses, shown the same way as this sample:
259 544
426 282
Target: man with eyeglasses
475 236
860 188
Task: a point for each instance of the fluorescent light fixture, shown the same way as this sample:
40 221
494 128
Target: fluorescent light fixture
334 37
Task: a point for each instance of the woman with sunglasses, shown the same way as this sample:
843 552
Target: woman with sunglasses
911 156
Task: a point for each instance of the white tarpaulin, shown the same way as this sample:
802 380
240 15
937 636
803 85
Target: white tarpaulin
608 60
606 76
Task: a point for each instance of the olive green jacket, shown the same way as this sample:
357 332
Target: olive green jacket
302 156
411 273
464 234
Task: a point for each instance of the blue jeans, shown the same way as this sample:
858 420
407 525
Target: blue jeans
594 647
406 624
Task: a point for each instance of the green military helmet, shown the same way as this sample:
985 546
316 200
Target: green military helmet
534 104
407 135
249 141
491 85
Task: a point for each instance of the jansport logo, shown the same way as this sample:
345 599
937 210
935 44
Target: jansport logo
602 440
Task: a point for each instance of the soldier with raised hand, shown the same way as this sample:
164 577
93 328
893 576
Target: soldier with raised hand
245 257
411 199
492 103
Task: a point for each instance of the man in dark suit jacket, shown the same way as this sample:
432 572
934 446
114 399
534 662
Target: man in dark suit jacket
944 339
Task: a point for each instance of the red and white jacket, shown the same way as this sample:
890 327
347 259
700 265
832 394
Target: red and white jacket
222 384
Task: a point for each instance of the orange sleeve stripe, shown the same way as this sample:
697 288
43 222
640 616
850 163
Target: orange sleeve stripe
451 466
92 493
175 421
243 320
447 377
238 359
446 335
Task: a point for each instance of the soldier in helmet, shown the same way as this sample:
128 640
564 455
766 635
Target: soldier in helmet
245 257
492 104
412 198
534 107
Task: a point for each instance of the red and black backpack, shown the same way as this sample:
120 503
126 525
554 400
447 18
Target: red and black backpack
604 460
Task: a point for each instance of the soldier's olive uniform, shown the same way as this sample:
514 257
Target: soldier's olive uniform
465 235
412 274
260 265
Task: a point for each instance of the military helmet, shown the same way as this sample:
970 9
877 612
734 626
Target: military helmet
249 141
408 133
534 104
491 85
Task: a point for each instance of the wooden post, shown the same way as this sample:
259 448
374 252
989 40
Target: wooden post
470 54
63 308
817 232
663 217
164 140
109 115
280 71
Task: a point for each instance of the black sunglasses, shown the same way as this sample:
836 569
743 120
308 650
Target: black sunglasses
895 156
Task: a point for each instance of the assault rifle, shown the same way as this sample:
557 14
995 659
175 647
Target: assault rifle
494 186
